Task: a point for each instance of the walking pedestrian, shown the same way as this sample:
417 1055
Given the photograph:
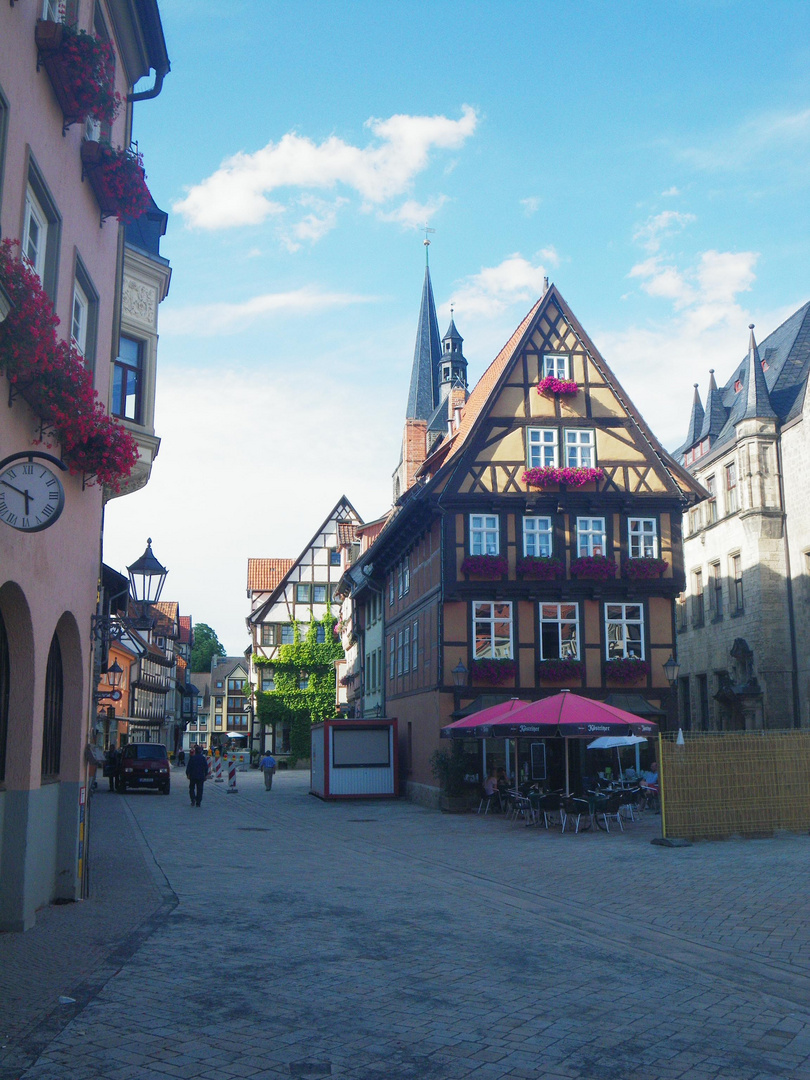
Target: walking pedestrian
197 773
268 767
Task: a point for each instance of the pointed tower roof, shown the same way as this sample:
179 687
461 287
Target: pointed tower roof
695 421
423 394
755 404
451 333
716 413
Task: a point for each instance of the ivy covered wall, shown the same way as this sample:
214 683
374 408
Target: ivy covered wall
305 659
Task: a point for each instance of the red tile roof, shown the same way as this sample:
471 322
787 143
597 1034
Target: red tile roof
346 532
265 574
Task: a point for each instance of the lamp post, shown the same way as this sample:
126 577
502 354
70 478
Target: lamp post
671 670
146 579
459 674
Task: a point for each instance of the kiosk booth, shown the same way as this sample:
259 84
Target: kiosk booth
354 759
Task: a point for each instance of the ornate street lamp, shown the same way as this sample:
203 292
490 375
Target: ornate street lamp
459 674
671 670
112 692
146 579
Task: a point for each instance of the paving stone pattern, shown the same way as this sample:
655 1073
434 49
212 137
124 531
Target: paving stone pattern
382 941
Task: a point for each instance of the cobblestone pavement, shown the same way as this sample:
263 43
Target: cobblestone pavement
292 937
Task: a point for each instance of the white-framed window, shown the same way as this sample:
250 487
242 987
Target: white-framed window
537 537
492 630
731 487
392 657
53 10
268 681
642 538
484 534
406 650
303 593
414 645
624 631
580 452
35 234
318 594
334 558
559 632
541 447
79 318
591 536
391 589
404 576
400 661
556 364
710 484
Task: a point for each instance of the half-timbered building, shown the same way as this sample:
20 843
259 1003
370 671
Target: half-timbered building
539 547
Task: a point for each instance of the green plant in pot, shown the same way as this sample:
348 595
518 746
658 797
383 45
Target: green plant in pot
448 766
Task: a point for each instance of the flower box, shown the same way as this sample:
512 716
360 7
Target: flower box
540 569
557 387
81 70
493 672
546 475
117 179
486 566
643 569
593 568
559 670
50 375
626 670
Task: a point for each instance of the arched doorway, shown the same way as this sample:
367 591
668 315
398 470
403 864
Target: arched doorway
52 717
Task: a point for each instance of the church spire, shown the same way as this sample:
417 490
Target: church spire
423 395
695 421
757 403
716 412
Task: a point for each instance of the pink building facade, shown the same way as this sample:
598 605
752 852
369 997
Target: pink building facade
49 575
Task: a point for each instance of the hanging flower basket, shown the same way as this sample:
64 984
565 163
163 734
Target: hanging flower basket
486 566
117 179
557 387
50 375
493 672
643 569
626 670
559 670
593 568
546 475
82 72
540 569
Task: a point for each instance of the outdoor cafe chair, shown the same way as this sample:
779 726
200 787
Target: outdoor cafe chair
575 809
629 802
487 801
522 808
609 809
549 806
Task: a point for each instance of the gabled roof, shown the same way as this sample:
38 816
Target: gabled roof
264 574
427 353
168 607
223 670
339 511
346 533
677 477
185 629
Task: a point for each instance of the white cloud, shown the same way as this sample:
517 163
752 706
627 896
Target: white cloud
706 328
495 288
238 192
530 205
206 320
769 133
670 192
652 233
412 214
321 219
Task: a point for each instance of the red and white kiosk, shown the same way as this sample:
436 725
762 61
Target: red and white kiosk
354 759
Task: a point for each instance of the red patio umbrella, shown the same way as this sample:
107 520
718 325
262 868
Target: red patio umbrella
478 724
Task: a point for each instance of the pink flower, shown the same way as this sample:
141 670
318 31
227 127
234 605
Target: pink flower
569 475
559 387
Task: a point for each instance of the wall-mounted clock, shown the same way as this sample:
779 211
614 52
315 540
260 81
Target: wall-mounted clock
31 492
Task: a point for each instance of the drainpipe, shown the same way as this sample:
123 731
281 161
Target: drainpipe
794 681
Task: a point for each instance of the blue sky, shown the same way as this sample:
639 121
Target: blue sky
651 159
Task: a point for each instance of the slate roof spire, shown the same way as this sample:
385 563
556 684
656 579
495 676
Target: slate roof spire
695 421
716 413
757 403
423 395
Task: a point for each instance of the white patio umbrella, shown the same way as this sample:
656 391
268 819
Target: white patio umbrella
609 742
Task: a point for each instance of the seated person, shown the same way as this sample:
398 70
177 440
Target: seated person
503 781
490 785
649 785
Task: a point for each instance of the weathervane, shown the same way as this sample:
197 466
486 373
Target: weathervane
426 241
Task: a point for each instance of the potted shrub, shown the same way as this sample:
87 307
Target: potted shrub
557 387
541 569
117 179
545 475
626 670
449 769
593 568
486 566
82 72
493 672
643 569
557 671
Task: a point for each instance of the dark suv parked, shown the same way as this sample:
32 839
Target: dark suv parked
144 765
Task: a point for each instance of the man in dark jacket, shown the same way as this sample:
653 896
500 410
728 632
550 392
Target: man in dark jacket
197 773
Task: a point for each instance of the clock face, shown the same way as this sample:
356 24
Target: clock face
31 495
